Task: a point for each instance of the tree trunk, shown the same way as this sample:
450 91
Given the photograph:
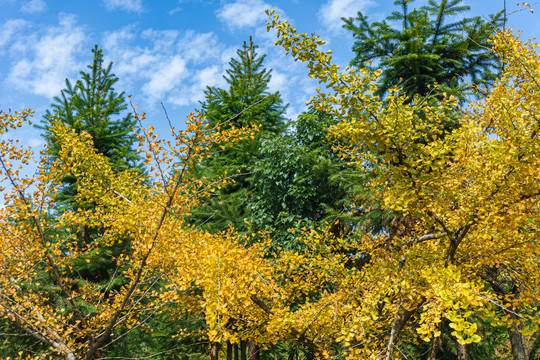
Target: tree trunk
519 349
229 350
236 355
243 350
435 346
253 351
214 351
462 351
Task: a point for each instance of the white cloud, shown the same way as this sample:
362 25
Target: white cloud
127 5
168 76
34 6
244 13
194 93
332 11
277 82
167 65
44 61
35 142
9 29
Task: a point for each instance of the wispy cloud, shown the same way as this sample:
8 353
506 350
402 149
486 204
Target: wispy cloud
33 6
244 13
332 11
166 65
9 29
126 5
43 60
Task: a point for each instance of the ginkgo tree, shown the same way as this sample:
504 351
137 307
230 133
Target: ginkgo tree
40 290
466 249
171 268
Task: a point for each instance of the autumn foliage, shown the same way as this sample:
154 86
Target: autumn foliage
461 253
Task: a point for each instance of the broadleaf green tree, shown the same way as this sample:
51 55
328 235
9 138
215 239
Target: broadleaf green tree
293 182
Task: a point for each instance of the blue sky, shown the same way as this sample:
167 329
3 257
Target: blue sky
168 51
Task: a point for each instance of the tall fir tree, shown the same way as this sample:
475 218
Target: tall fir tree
432 45
93 105
428 48
247 101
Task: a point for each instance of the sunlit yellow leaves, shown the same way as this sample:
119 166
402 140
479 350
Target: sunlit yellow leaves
147 212
467 198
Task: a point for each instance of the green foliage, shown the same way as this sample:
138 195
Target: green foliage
247 101
164 337
90 105
428 48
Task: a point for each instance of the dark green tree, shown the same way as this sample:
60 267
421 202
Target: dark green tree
247 101
93 105
90 105
432 45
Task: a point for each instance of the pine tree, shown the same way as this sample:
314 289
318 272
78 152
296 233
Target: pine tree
90 105
428 48
247 101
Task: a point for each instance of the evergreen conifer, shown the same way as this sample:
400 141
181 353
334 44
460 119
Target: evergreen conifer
428 49
92 105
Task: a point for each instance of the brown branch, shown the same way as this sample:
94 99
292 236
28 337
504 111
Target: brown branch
105 335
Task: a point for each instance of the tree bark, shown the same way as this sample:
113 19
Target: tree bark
243 350
214 351
462 351
397 325
253 351
229 351
519 348
517 340
435 346
236 355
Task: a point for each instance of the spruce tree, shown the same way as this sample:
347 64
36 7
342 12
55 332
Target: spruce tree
93 105
427 48
247 101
